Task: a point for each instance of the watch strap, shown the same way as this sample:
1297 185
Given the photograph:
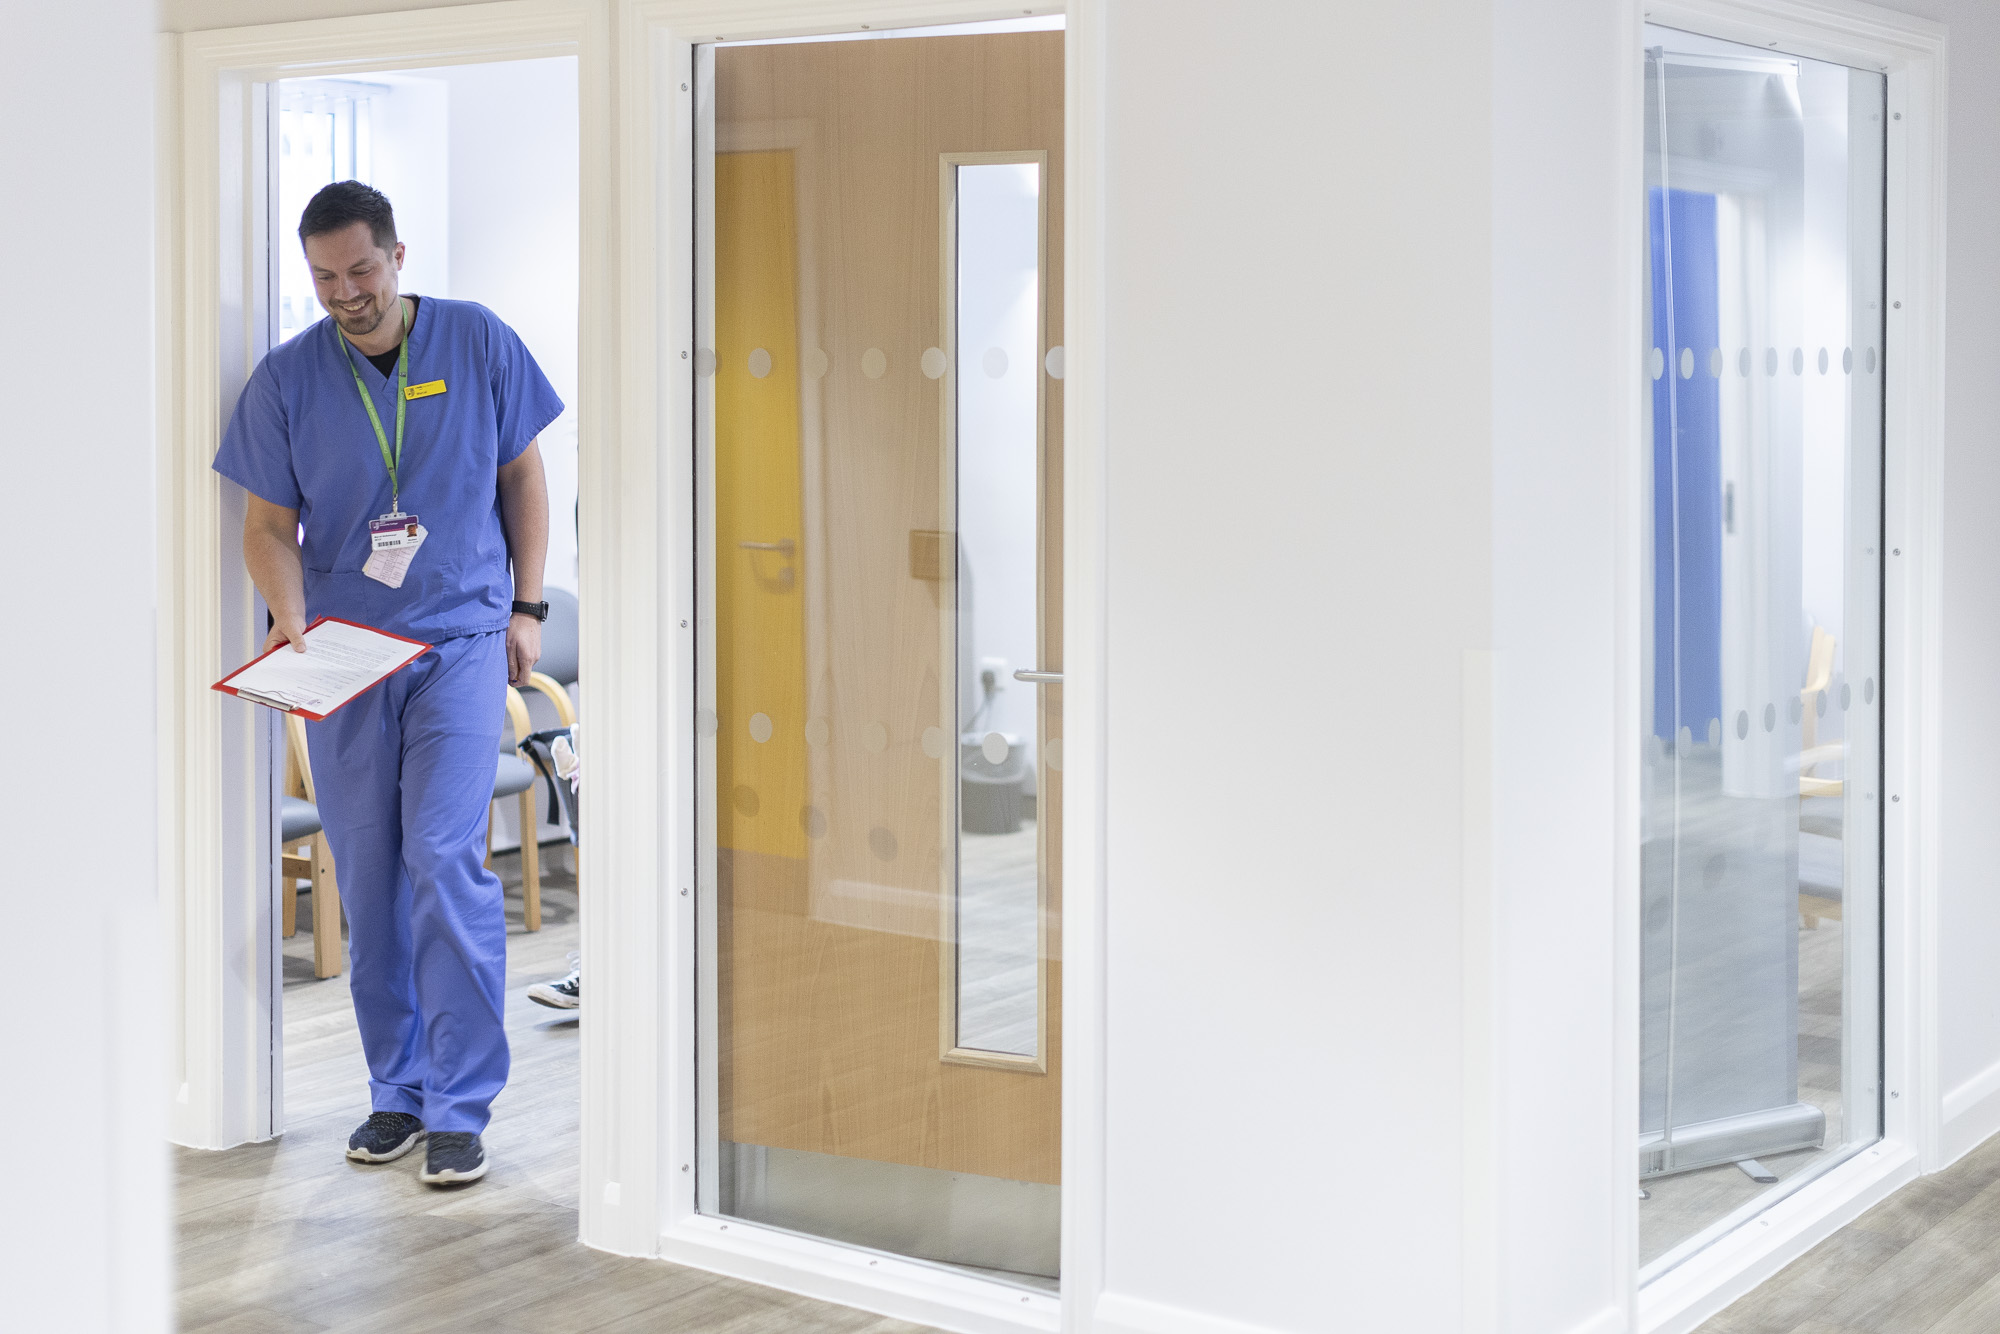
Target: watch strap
538 610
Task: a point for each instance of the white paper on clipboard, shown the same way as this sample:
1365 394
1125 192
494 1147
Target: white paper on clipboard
341 660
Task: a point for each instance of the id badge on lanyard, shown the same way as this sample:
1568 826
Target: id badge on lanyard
393 538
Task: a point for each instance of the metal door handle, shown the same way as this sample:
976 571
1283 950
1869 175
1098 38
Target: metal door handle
783 544
1039 678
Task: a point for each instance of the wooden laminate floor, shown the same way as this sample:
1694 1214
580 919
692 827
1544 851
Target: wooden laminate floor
1924 1261
288 1237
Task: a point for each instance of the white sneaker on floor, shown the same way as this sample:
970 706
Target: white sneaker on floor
563 995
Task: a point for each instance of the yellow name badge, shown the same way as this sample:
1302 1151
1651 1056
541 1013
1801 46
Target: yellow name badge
425 390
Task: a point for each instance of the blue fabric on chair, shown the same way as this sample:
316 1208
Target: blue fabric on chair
559 636
514 776
300 820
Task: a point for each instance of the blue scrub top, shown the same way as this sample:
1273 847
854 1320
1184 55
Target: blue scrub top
300 438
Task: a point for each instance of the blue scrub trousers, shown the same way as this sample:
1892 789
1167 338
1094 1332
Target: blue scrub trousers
404 780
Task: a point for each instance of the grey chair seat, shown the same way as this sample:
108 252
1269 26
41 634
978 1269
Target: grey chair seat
514 777
299 820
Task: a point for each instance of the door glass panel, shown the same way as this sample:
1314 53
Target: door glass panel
1762 692
878 272
993 264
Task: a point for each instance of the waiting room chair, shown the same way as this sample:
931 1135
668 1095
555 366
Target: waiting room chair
555 676
515 777
306 855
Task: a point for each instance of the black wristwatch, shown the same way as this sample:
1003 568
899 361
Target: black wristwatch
538 610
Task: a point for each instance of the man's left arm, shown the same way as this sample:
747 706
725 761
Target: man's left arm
524 519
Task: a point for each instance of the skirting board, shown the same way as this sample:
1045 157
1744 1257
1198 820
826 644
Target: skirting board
1119 1314
1971 1115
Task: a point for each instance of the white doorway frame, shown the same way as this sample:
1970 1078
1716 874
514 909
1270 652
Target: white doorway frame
636 492
1910 53
217 871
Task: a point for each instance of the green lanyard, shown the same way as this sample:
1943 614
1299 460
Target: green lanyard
394 461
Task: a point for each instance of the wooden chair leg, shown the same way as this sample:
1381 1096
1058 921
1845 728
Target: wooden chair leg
327 960
288 889
531 865
489 833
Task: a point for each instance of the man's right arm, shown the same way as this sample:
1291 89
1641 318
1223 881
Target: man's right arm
271 553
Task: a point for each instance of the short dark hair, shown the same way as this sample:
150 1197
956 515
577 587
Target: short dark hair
345 203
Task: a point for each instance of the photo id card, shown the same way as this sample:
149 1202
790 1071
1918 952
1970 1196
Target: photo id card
393 532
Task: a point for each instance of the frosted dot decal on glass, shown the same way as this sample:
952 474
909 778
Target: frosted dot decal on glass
707 722
704 361
1657 363
1715 731
1743 725
935 742
1743 362
760 727
994 362
1053 362
1847 361
1770 361
1053 753
1819 704
932 362
816 364
813 820
994 747
882 843
1770 717
1871 361
818 733
1798 361
876 738
1868 691
744 798
1715 363
874 364
1687 363
1823 361
1846 696
1687 739
760 362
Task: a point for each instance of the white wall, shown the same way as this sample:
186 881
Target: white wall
1299 299
83 1236
513 173
1566 275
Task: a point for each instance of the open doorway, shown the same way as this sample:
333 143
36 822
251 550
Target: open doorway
481 164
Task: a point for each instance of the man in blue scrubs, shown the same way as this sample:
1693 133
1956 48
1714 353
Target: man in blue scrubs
402 433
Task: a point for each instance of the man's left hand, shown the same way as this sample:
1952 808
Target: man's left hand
524 648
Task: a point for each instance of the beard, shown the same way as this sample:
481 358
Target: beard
362 322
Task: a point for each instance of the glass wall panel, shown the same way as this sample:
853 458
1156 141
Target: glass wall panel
878 283
1762 689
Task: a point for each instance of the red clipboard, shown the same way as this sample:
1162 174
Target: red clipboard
417 650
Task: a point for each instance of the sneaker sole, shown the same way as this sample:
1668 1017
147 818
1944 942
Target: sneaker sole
368 1156
555 1000
449 1177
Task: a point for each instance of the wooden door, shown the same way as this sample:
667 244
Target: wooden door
837 754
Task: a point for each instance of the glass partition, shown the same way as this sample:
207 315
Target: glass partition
1762 697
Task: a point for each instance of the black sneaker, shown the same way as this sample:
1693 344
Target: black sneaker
564 995
384 1137
454 1156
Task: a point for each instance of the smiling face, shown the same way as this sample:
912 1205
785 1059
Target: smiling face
354 278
